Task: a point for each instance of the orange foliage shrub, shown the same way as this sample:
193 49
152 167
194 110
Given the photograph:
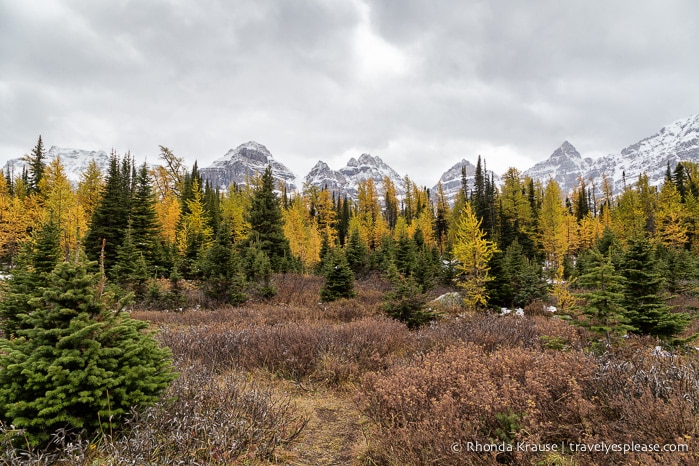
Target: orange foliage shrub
520 396
464 394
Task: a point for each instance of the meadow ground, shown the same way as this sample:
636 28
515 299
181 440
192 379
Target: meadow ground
296 382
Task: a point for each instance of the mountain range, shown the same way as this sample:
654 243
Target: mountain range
675 142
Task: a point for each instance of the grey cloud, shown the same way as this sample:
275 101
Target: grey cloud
204 76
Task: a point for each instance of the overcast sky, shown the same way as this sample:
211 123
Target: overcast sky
420 83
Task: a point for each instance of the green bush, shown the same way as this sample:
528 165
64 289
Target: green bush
74 363
339 279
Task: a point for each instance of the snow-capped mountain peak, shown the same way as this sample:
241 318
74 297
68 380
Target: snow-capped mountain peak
451 180
565 165
74 161
673 143
244 162
345 181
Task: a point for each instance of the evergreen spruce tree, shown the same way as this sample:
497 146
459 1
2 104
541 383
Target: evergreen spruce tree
36 261
339 279
265 218
406 300
258 268
223 278
130 267
405 255
602 307
357 252
426 267
37 165
74 363
343 220
110 218
645 309
144 219
679 268
518 281
212 203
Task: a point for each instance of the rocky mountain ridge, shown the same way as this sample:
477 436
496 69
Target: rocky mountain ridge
675 142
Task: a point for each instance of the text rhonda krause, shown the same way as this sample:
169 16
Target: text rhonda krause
563 447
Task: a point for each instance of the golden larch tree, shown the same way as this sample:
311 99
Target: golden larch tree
473 253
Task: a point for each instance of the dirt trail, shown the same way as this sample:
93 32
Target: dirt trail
333 435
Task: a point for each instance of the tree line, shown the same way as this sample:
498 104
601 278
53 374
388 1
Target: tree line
611 261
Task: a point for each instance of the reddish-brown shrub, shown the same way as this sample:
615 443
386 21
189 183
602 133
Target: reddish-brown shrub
467 394
492 332
332 353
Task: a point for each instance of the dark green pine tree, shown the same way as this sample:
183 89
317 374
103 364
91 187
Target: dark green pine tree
427 267
145 228
343 220
680 179
130 267
602 307
188 187
406 300
478 197
36 162
110 218
212 204
258 268
325 250
36 261
645 309
339 279
357 252
76 364
223 277
266 224
405 255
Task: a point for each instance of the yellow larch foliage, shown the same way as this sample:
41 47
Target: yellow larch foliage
589 231
302 233
472 252
554 226
671 217
89 192
61 206
372 225
195 227
234 206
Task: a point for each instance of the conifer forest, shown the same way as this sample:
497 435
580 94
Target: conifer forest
147 317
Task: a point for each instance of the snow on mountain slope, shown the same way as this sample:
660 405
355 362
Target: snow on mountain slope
565 165
244 162
323 177
676 142
75 162
451 179
345 181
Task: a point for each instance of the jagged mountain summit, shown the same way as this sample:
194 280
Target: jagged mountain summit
565 166
75 162
676 142
345 181
243 163
324 177
673 143
451 180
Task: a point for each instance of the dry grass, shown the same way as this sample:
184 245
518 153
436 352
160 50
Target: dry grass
293 381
